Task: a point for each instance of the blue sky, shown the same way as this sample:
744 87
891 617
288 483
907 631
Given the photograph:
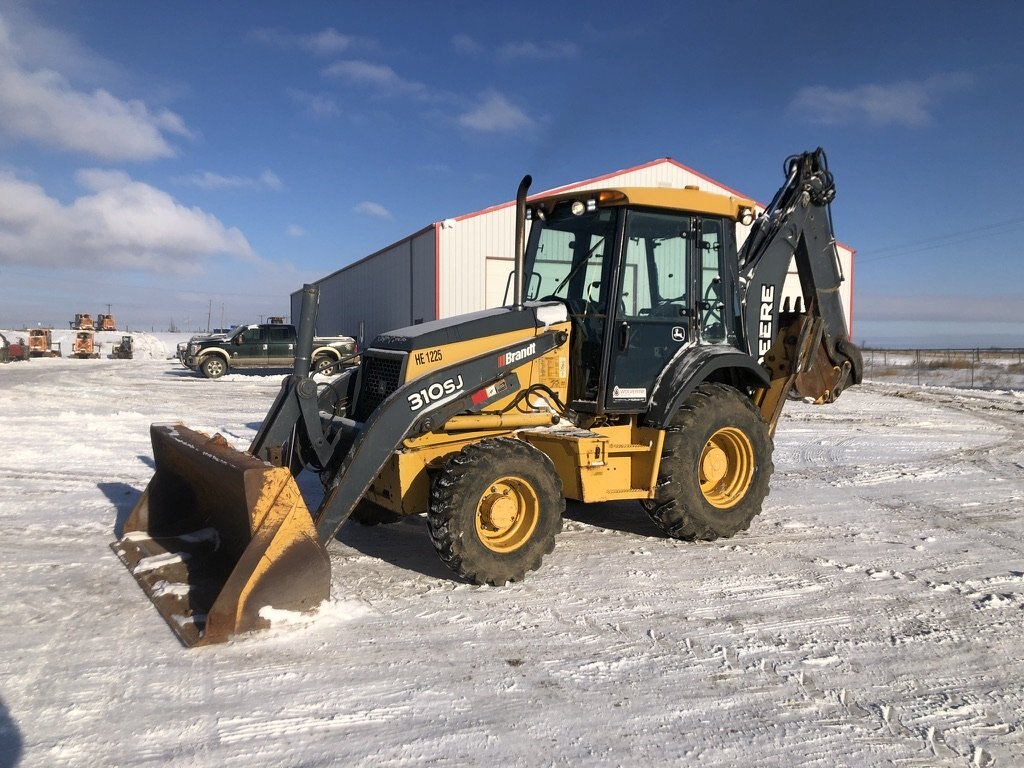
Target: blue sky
191 159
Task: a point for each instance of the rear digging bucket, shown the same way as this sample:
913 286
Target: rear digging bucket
217 535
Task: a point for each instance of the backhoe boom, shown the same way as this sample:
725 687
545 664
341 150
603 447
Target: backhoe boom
805 346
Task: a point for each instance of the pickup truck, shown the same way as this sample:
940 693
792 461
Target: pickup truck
268 345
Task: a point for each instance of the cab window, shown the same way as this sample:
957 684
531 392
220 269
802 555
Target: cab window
655 276
568 255
712 296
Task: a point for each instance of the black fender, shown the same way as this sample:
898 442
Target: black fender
692 367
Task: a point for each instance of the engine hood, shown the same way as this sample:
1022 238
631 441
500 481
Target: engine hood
475 325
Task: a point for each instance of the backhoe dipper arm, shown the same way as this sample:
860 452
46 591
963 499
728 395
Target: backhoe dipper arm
807 348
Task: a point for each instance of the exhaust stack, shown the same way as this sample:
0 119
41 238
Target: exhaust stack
517 295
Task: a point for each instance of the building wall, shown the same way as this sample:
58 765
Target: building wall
392 288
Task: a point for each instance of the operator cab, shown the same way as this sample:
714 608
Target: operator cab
645 278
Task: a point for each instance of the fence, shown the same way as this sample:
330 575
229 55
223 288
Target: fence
966 368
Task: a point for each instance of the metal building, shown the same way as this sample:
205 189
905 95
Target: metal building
462 264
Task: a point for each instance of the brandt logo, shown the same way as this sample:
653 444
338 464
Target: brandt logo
514 357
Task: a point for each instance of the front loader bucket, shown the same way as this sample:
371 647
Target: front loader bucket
219 534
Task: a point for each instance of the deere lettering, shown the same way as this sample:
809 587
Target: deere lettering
514 357
764 325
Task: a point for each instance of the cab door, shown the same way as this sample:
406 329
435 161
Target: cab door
712 318
674 291
281 346
655 315
250 348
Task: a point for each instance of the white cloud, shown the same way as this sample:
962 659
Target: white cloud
36 46
270 180
466 45
209 180
544 51
119 223
378 76
316 105
492 112
495 114
907 103
294 230
327 42
373 209
43 107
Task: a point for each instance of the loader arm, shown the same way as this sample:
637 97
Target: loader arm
804 347
296 406
365 447
352 453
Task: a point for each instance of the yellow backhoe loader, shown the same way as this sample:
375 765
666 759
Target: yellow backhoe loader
643 356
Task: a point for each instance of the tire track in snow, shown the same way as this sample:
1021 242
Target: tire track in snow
977 730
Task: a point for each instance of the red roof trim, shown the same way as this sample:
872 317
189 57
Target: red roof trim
603 177
596 179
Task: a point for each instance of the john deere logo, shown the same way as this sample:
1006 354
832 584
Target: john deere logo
765 332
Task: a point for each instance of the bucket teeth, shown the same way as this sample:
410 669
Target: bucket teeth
175 573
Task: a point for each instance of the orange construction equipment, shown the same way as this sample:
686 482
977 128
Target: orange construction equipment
84 346
40 343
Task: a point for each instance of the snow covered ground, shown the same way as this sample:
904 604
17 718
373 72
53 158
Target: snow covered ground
873 615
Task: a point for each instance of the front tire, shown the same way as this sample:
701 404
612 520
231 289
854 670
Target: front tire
495 510
715 467
213 367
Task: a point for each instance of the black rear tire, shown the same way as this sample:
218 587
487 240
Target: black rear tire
495 510
715 467
325 365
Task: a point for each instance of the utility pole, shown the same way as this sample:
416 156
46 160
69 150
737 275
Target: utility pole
222 316
209 312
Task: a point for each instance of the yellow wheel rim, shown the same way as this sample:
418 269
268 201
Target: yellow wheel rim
507 514
726 467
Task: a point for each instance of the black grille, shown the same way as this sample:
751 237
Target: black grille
380 377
